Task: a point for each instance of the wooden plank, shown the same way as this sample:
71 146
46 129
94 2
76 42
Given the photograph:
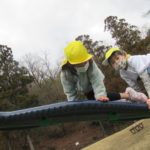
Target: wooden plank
134 137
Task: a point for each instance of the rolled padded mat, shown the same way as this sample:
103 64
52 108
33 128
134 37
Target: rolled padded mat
79 110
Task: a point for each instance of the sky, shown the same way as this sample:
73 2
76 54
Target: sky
34 27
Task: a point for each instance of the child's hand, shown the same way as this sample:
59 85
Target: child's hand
148 103
102 98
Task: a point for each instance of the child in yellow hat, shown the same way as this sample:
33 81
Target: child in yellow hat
81 74
130 68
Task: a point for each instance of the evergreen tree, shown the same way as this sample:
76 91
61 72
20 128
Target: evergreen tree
144 44
96 48
127 36
13 82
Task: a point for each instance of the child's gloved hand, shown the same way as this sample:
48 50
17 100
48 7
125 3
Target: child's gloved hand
136 96
102 98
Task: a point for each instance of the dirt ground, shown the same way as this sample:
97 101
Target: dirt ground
68 136
76 137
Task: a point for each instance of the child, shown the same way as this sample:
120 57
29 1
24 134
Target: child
80 74
130 68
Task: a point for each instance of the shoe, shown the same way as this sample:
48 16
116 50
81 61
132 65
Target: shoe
136 96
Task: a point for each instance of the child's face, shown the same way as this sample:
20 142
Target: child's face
115 59
81 64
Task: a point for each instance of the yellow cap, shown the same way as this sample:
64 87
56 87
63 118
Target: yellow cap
76 53
108 55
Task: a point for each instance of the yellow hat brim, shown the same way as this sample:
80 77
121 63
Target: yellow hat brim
108 55
64 62
105 62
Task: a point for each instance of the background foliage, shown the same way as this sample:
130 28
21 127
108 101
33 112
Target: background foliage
39 84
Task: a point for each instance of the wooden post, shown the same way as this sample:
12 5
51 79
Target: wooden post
9 146
30 142
102 127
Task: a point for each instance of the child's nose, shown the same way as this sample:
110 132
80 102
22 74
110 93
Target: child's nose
116 62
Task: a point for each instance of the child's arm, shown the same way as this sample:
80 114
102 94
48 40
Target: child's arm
148 70
96 78
133 84
129 80
139 62
69 87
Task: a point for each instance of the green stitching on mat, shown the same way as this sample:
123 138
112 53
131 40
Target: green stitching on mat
113 116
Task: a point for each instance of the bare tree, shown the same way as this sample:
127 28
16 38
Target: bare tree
46 76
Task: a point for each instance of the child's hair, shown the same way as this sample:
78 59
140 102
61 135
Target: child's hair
116 53
69 67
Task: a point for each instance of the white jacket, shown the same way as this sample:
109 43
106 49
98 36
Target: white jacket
136 65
